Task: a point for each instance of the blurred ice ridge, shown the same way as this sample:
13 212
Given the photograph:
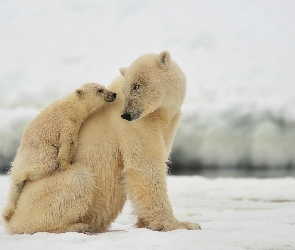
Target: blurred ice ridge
238 56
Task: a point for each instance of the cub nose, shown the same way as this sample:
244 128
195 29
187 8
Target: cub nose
111 97
126 116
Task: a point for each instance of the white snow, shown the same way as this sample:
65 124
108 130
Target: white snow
238 57
234 214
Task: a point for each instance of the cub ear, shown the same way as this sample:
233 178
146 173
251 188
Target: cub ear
123 71
164 59
80 93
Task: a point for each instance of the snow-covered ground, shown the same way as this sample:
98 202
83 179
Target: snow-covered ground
256 214
239 58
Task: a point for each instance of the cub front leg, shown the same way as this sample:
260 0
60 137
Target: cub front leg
67 144
65 154
147 190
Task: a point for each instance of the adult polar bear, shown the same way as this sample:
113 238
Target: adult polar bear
115 157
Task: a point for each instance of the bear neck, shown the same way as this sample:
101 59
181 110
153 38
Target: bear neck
172 102
175 91
167 112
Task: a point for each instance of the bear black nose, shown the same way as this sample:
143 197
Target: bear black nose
126 116
114 95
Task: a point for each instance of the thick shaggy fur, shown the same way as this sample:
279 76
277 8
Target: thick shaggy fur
50 140
115 157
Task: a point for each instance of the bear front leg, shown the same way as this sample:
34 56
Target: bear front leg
147 190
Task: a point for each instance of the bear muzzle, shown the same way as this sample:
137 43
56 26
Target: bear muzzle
126 116
131 111
130 116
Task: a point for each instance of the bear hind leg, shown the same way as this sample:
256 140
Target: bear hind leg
58 203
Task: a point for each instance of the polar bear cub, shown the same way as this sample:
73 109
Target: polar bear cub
49 142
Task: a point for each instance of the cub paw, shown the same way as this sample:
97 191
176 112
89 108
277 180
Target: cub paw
63 164
8 213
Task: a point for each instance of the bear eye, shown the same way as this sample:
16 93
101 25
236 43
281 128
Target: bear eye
135 87
99 90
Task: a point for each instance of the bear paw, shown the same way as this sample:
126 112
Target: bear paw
190 226
158 226
79 228
141 223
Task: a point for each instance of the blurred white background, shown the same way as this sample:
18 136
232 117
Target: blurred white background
238 57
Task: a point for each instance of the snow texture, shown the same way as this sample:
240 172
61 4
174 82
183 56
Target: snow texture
234 214
238 57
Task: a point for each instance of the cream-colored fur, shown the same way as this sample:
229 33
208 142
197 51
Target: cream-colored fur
49 141
115 157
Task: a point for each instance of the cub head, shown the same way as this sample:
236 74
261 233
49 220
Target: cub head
94 95
145 85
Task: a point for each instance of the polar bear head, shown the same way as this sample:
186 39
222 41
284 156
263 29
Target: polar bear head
94 95
152 82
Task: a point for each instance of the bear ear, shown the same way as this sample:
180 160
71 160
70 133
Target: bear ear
80 93
123 71
164 60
